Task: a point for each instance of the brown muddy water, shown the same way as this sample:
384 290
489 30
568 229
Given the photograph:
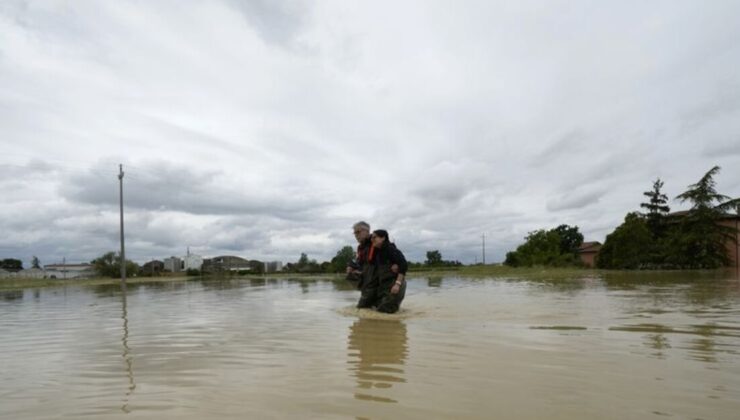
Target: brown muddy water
617 347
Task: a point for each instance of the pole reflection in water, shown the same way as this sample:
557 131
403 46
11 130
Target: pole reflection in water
127 358
377 352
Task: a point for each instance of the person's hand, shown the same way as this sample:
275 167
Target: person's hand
394 268
395 289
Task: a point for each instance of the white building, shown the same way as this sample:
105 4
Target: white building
69 271
173 264
31 273
192 261
4 274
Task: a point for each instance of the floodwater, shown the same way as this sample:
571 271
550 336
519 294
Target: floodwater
617 346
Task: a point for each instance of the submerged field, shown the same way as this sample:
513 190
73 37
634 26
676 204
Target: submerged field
521 344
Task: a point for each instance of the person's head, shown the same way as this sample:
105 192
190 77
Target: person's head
361 231
379 237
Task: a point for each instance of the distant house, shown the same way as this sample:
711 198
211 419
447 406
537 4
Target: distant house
31 273
152 268
69 271
588 252
4 274
732 248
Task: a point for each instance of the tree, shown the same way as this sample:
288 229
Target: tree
11 264
256 267
630 246
303 260
109 265
570 238
35 263
304 265
657 208
340 261
554 247
434 258
105 265
541 247
699 240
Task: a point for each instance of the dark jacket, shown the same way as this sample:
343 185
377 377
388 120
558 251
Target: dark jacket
388 254
377 271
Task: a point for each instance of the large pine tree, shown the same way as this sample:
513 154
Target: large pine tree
699 241
657 208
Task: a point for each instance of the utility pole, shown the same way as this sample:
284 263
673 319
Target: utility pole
123 249
484 248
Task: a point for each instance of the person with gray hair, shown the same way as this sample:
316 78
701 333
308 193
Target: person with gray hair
361 231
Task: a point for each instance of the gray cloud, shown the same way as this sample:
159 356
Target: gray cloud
575 200
277 22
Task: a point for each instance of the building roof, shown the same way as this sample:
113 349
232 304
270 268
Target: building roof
683 213
593 246
67 266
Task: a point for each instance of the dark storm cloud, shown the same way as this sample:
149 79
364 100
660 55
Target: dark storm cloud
163 186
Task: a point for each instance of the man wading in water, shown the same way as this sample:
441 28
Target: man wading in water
380 269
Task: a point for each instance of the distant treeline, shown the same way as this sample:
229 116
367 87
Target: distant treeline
651 239
346 255
658 239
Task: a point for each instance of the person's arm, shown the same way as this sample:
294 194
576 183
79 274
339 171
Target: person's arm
398 260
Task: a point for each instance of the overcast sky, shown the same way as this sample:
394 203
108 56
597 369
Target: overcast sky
265 128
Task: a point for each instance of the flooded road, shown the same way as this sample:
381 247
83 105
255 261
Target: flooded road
617 346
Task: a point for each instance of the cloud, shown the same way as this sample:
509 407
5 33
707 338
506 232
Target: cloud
265 129
278 22
575 200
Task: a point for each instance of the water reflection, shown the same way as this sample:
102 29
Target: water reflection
377 352
658 342
12 294
127 358
434 282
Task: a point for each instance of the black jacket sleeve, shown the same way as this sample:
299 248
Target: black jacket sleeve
398 259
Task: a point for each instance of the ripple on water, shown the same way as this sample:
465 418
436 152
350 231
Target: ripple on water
363 313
